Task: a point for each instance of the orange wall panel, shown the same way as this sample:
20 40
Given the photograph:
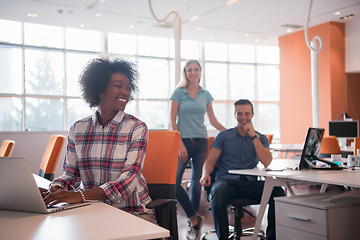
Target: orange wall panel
295 80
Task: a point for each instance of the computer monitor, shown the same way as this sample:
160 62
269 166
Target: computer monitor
311 151
344 129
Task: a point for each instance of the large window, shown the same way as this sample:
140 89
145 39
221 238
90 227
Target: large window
40 66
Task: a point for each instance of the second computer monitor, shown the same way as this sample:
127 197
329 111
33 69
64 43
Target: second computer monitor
344 129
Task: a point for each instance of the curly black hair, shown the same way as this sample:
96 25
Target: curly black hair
96 76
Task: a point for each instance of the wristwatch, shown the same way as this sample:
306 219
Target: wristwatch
253 137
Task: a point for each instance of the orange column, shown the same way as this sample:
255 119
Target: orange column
295 80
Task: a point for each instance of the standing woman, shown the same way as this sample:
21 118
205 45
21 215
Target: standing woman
189 103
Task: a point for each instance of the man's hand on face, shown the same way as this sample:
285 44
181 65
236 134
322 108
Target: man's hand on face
249 128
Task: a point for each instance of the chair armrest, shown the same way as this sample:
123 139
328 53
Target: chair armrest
160 203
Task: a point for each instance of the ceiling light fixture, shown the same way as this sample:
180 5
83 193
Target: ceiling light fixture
194 18
34 15
231 2
347 16
211 38
82 25
199 28
98 14
289 30
131 26
246 34
337 13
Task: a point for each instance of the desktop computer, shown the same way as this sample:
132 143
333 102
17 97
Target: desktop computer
344 129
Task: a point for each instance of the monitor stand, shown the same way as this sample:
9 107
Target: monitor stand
342 142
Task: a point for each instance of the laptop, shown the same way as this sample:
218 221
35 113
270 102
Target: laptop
18 189
311 150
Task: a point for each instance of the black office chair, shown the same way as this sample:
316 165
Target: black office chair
238 206
236 232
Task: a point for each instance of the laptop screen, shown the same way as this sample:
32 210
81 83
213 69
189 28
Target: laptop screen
311 147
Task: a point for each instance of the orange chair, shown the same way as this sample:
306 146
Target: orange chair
329 145
269 137
6 148
356 144
51 157
159 170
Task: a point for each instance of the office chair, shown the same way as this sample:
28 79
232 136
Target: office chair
329 145
237 205
236 232
51 157
159 170
356 144
6 148
269 137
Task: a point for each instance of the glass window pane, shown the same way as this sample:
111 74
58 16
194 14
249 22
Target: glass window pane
216 79
241 53
81 39
10 114
215 51
153 46
10 31
75 62
131 108
242 81
77 109
155 114
172 75
266 54
189 49
44 114
221 114
43 35
268 117
268 83
122 43
11 73
44 72
154 78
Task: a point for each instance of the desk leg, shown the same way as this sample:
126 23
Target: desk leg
323 187
270 183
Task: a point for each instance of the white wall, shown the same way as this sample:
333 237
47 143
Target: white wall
32 145
352 46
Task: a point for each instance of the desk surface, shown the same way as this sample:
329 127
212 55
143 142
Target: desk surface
346 177
93 222
299 147
286 147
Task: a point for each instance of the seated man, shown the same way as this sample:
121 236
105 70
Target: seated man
238 148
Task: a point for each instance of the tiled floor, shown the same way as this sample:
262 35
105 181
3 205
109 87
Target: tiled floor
247 221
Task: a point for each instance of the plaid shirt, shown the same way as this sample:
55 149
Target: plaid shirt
110 158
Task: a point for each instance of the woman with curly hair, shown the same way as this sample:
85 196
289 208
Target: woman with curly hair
106 151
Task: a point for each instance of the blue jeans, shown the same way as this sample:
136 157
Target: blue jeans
224 190
197 151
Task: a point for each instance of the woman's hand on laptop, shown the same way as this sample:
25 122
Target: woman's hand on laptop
61 196
44 192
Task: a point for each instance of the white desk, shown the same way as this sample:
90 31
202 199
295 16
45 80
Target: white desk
94 222
345 177
297 148
294 148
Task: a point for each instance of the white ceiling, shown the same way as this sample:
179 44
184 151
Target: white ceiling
262 20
